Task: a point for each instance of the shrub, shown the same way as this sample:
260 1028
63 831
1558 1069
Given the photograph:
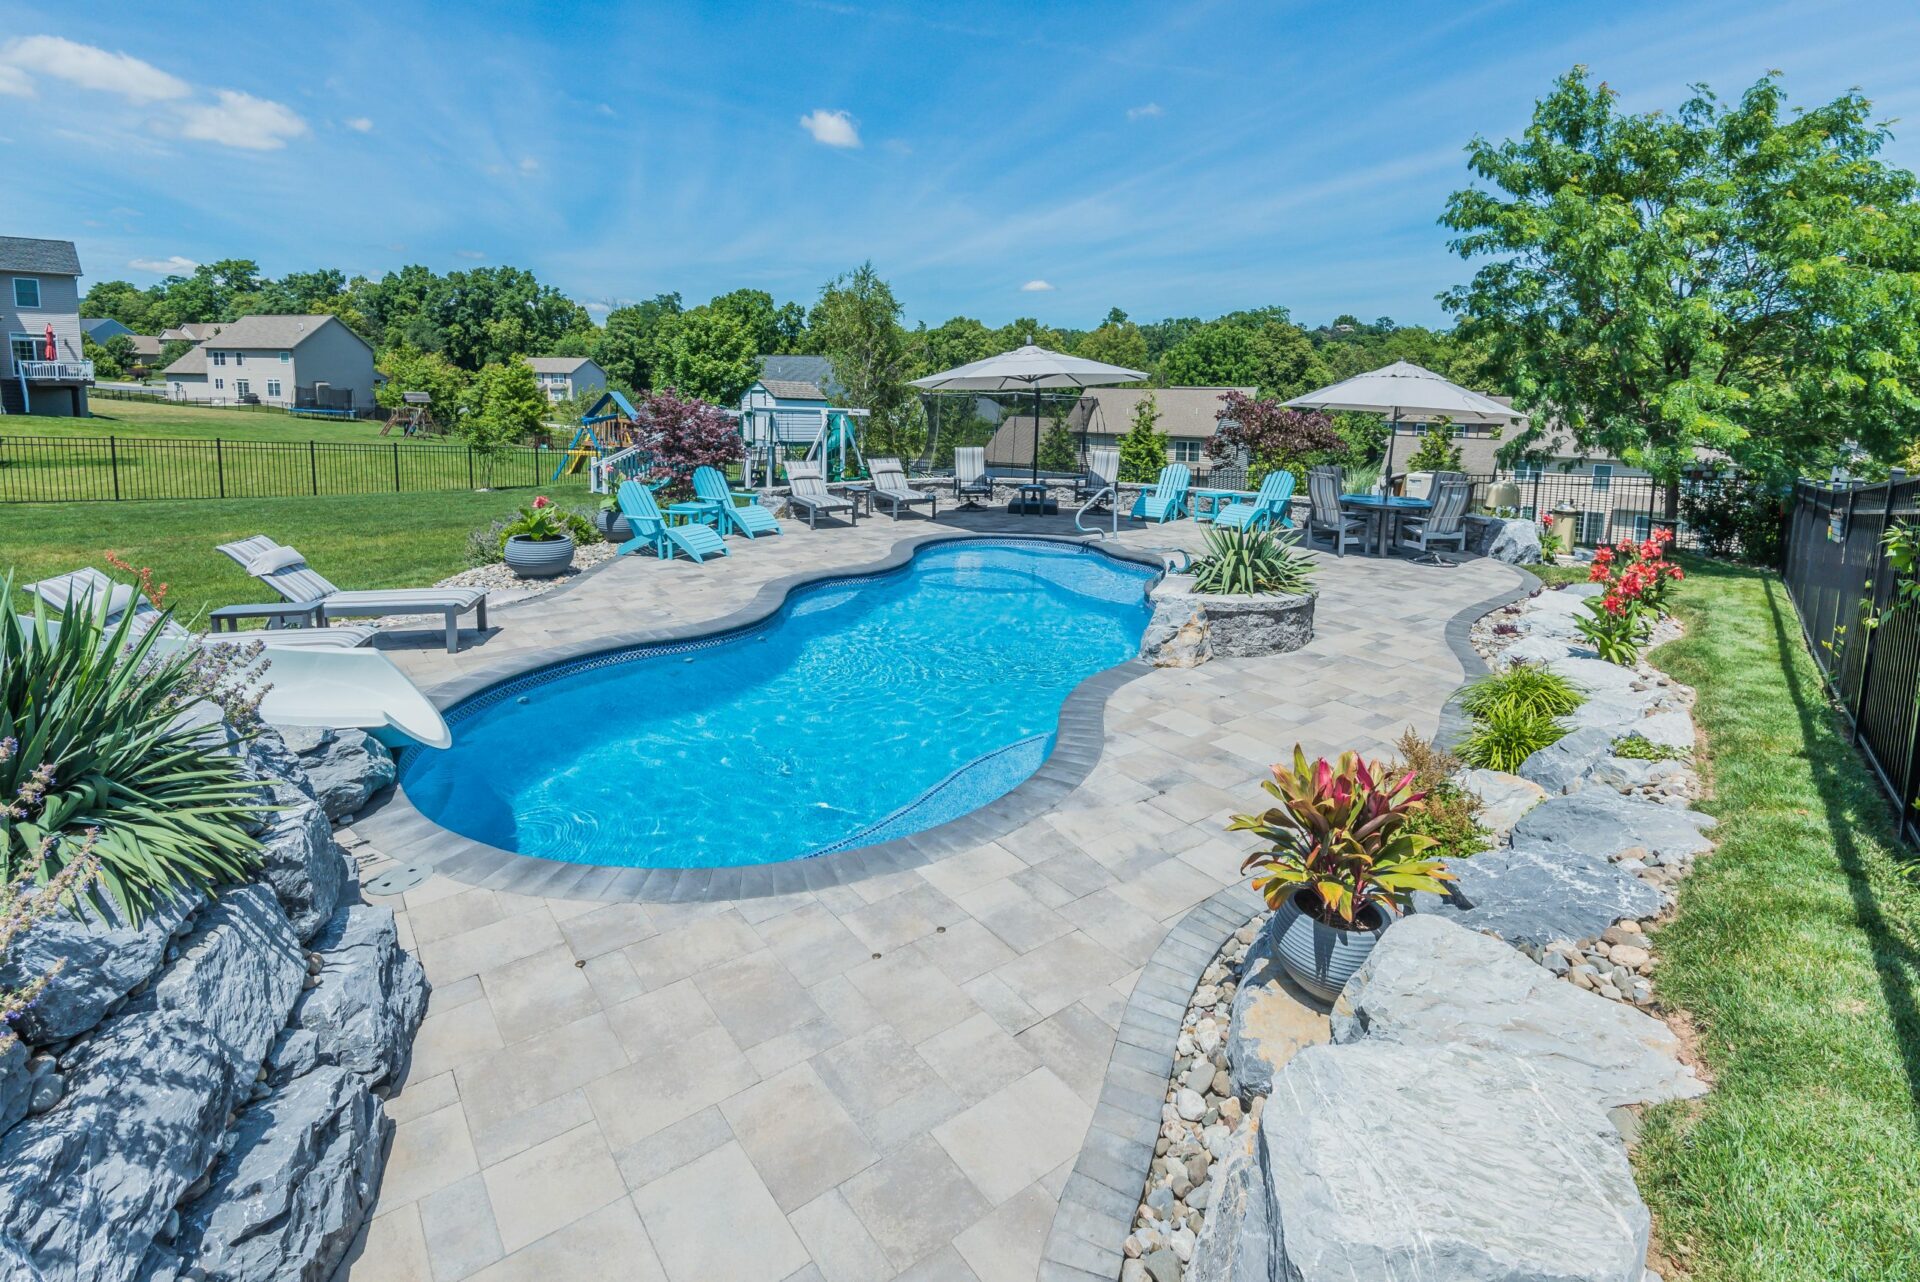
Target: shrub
1506 732
1639 749
1448 813
90 711
1737 516
1549 692
1340 831
1249 562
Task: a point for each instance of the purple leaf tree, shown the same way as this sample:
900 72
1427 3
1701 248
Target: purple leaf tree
686 433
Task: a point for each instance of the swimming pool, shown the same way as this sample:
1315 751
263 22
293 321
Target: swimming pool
863 709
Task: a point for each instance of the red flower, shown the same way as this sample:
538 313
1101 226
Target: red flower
1602 556
542 501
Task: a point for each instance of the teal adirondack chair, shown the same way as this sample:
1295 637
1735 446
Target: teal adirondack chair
748 518
650 528
1268 507
1167 500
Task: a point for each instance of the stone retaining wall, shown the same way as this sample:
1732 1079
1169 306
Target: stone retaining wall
201 1095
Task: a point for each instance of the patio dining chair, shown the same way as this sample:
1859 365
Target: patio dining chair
1269 507
890 487
747 518
1325 517
970 479
1444 523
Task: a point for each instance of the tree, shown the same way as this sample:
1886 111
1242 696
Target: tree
776 330
1727 277
408 369
119 300
104 363
857 324
629 344
1059 452
707 354
1245 349
504 405
686 433
1437 452
1267 435
960 341
1143 450
1116 343
172 350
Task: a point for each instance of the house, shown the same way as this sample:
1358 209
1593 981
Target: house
40 296
562 377
301 362
1187 416
102 330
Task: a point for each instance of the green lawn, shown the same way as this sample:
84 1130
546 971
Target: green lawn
1796 949
158 418
358 541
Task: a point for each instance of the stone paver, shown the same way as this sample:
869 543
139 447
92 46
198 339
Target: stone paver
742 1090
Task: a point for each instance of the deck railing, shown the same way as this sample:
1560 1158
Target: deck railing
56 371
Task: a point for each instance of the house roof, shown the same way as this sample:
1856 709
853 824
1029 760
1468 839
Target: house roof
49 257
143 345
1184 411
193 332
792 390
817 370
559 364
192 361
93 327
278 333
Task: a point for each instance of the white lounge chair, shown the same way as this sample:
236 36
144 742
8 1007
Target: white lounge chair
890 487
285 571
90 585
1102 474
810 494
970 479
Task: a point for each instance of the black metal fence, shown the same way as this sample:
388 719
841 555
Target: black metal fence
1837 573
308 399
42 469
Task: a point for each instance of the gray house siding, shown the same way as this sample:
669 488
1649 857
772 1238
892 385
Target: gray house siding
59 306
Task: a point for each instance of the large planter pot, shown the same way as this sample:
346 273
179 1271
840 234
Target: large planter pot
1318 957
538 558
613 525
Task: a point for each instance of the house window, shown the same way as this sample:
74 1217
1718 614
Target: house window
239 358
1526 471
1593 527
273 388
25 347
1643 526
1188 451
26 292
219 384
240 387
219 358
285 357
1602 477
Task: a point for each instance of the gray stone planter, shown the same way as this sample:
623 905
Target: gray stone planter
613 525
1237 627
1318 957
538 558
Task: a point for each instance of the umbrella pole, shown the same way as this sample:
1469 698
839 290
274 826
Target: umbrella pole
1036 436
1386 470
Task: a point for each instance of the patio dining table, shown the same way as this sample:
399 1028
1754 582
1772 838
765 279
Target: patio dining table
1383 515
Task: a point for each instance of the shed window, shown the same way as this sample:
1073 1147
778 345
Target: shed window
26 291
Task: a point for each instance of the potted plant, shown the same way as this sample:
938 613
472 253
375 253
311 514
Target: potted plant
538 543
1250 561
613 522
1341 864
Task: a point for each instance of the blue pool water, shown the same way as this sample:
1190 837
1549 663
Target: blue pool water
865 709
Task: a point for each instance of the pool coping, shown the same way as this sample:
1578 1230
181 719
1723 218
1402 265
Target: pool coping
398 829
1102 1193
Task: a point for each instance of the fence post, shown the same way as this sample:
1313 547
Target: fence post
220 465
113 451
396 467
313 467
469 467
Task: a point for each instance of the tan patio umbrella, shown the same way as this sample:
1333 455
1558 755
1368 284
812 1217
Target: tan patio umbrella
1028 368
1405 390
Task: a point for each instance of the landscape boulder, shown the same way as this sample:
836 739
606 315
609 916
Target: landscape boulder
1603 824
238 973
1511 539
1387 1160
1533 896
1235 1243
1538 649
1665 730
307 870
86 1188
103 956
1272 1019
362 1012
1430 982
1503 797
297 1180
1563 766
343 767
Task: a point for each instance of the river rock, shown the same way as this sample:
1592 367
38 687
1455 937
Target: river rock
291 1192
103 956
1562 766
1273 1018
343 767
1533 896
363 1013
1235 1243
1615 713
1503 797
1430 982
85 1188
238 973
1603 823
1474 1179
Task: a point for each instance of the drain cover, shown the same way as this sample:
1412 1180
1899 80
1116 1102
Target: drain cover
400 877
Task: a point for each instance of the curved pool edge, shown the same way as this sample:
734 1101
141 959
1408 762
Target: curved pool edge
399 830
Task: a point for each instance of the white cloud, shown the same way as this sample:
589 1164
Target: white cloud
1145 111
360 124
171 266
529 164
90 68
601 308
1035 287
831 128
604 109
241 120
14 81
473 254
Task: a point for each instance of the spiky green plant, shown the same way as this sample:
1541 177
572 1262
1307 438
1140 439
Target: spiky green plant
88 710
1506 732
1250 562
1536 687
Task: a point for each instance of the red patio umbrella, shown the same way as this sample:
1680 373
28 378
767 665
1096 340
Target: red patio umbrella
50 347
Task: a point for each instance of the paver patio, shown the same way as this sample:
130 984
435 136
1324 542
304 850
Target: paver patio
887 1079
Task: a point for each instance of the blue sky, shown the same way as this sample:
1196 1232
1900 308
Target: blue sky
991 159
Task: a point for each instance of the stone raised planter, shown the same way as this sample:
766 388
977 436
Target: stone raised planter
1236 627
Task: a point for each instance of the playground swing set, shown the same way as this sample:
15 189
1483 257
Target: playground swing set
414 417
